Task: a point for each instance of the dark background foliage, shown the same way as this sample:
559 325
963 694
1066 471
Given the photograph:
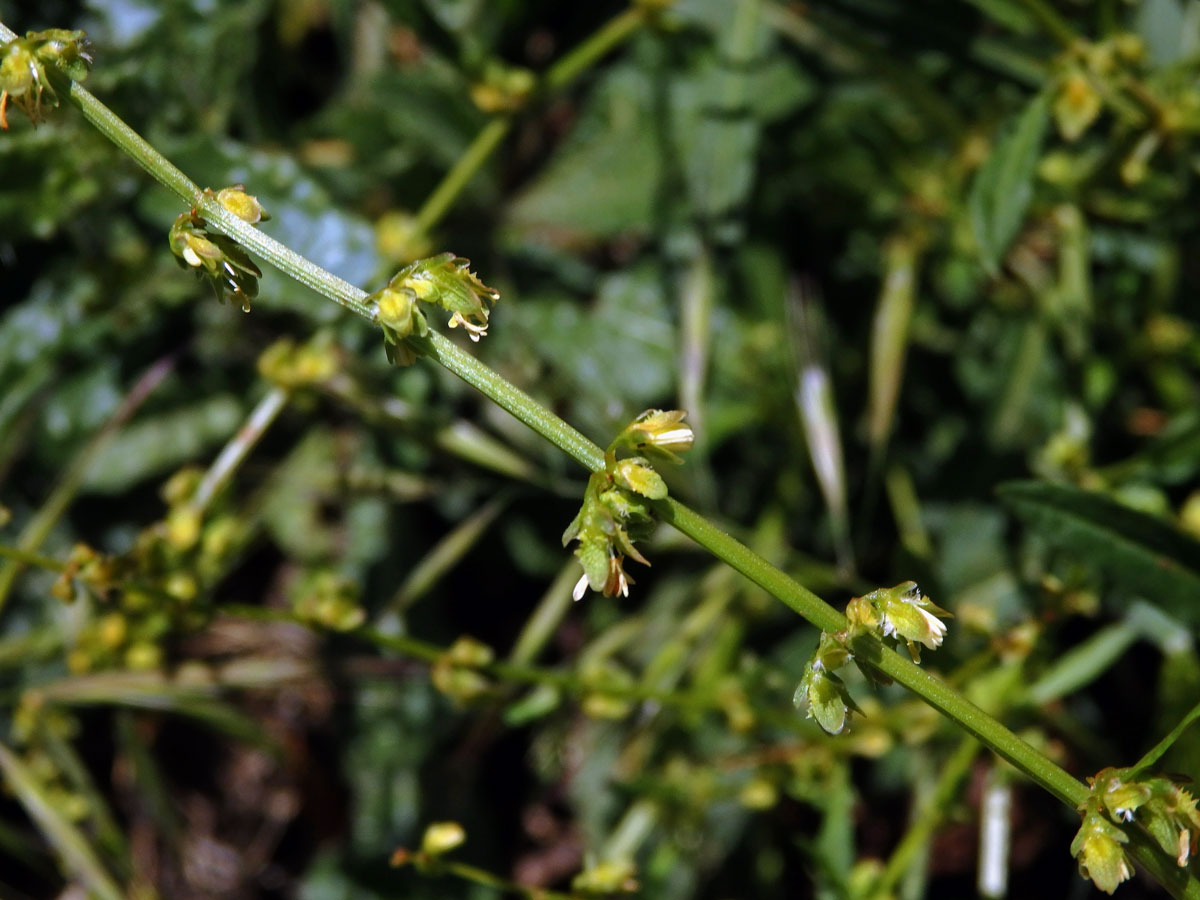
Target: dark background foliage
987 207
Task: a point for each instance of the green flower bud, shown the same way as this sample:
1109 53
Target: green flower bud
399 239
1171 817
660 431
227 265
442 837
502 89
904 613
243 205
824 693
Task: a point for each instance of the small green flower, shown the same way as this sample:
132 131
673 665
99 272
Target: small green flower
903 612
658 431
826 695
1171 817
398 314
445 280
1098 848
245 207
24 76
229 268
637 476
442 837
616 511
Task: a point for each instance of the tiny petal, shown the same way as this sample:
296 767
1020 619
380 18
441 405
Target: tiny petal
937 630
581 587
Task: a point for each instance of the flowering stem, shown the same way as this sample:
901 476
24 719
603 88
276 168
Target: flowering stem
440 349
507 395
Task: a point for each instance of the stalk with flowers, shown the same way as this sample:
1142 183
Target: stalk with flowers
218 237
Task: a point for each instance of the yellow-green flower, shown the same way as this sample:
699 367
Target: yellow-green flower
1098 848
906 614
661 431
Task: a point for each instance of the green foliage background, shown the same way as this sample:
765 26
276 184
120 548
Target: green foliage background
976 219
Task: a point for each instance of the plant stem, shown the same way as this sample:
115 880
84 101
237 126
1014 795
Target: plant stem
493 133
239 447
929 817
587 54
439 202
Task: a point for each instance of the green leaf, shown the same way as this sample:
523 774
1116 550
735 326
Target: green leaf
156 445
1003 185
1144 555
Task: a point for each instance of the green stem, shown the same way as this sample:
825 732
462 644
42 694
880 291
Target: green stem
29 558
493 133
239 447
488 879
439 202
931 815
599 44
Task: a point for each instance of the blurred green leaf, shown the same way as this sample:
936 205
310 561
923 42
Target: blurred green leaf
1003 186
1141 554
155 446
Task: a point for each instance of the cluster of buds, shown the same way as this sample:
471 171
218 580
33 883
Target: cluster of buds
445 280
295 366
900 613
142 597
220 258
29 66
325 599
457 672
1166 811
616 509
502 89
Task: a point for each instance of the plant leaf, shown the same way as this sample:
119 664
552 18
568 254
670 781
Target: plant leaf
1143 554
1003 185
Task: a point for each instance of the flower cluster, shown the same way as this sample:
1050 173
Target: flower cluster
222 259
616 509
29 66
1165 810
156 589
444 279
1098 847
895 613
901 613
828 699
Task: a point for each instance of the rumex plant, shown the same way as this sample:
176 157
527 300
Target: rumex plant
287 587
